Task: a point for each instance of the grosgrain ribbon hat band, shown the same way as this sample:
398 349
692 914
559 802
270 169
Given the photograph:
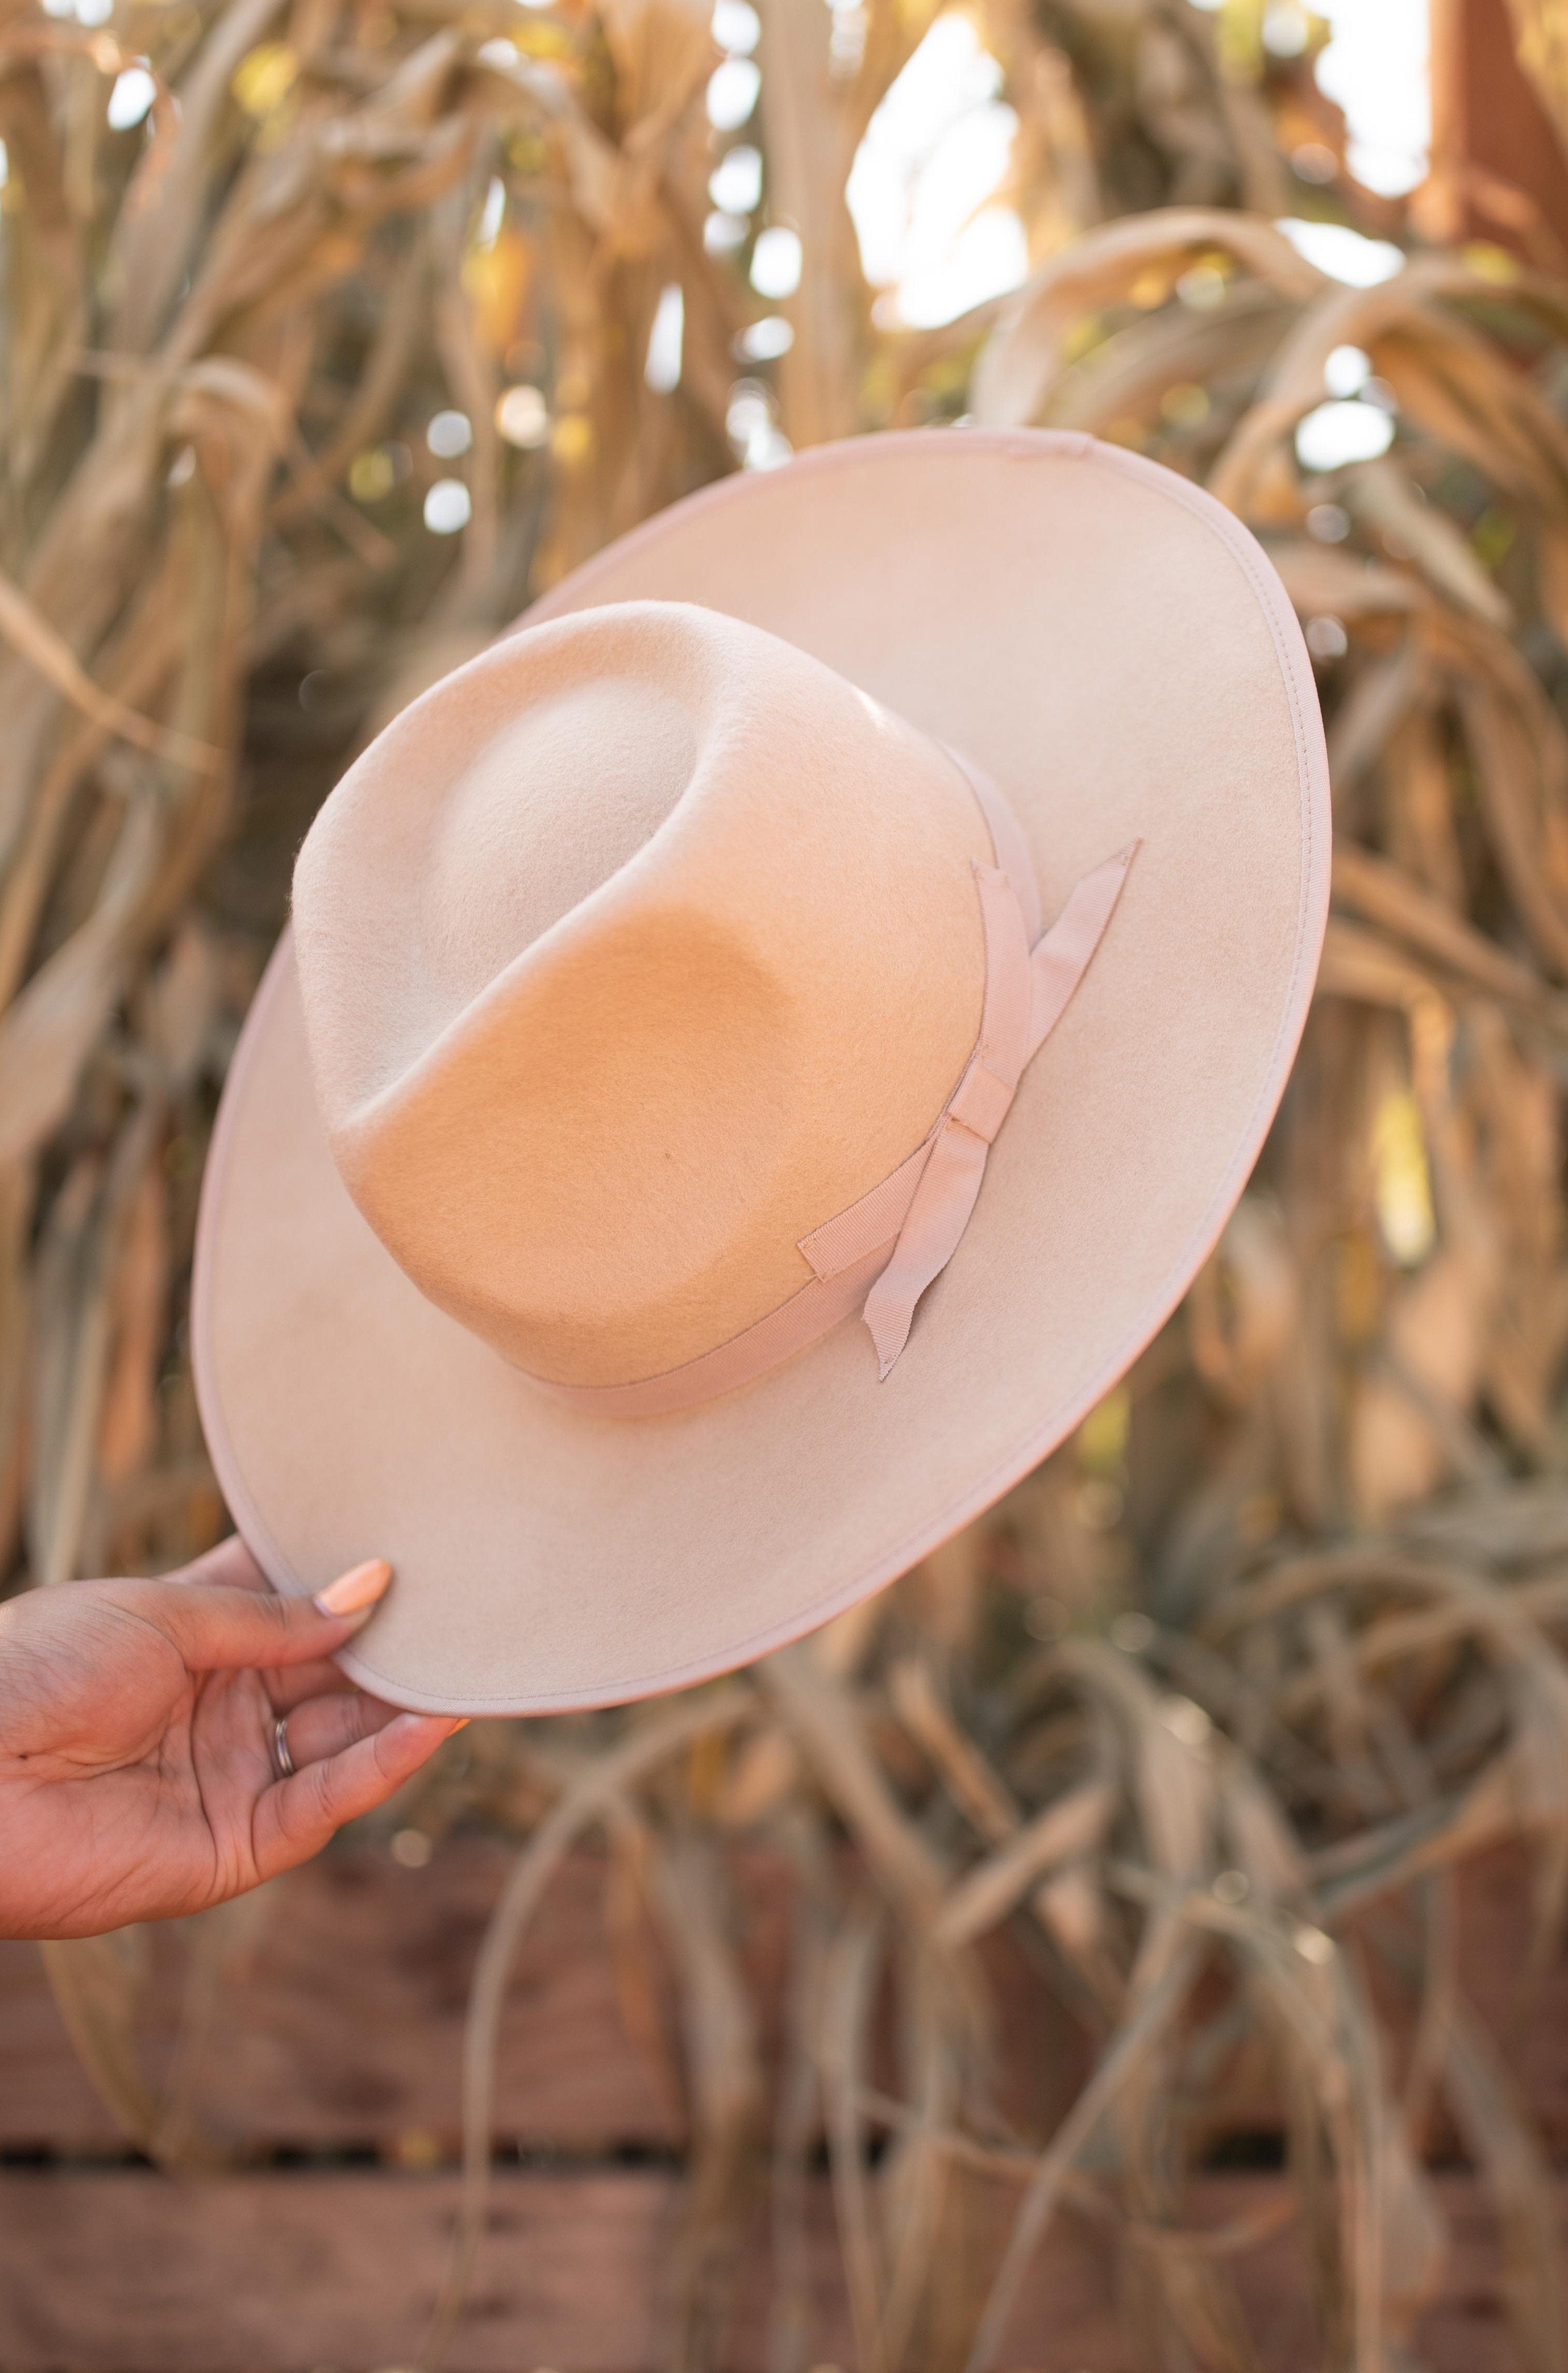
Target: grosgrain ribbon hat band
880 1254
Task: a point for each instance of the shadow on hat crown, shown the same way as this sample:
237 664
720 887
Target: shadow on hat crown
630 953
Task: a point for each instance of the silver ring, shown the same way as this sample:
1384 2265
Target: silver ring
281 1756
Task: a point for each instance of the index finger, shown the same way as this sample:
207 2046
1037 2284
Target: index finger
231 1565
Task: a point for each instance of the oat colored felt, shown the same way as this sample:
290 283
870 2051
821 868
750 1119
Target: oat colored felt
1101 639
595 948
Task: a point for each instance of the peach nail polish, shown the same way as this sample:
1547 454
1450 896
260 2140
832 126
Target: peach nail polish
357 1591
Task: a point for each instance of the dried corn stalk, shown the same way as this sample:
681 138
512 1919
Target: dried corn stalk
1276 1642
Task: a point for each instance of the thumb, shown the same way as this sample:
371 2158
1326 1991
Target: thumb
216 1626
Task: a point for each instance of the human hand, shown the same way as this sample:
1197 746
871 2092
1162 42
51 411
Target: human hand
137 1740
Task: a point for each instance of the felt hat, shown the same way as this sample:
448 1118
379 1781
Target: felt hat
758 1052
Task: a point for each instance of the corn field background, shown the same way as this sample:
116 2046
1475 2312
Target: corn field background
336 330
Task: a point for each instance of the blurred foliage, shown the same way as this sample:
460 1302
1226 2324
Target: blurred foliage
1251 1666
1541 30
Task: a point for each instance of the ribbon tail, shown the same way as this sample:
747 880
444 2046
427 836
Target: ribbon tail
1060 959
937 1217
949 1184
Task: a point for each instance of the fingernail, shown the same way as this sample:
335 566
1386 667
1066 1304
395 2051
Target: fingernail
357 1590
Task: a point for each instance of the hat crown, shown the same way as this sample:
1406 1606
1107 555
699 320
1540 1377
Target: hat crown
630 954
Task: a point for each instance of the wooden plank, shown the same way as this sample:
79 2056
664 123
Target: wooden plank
126 2272
345 2031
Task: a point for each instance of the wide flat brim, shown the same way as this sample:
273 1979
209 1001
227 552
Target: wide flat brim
1114 650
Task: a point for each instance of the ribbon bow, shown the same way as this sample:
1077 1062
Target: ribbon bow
933 1194
880 1254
